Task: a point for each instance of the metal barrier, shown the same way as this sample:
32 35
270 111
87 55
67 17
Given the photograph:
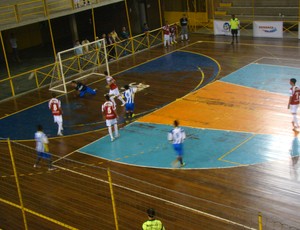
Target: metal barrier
41 77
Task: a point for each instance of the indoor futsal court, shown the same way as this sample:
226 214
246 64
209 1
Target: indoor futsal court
231 100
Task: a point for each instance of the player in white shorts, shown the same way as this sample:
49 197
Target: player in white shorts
55 107
113 89
110 115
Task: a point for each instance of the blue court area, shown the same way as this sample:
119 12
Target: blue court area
146 144
271 78
22 125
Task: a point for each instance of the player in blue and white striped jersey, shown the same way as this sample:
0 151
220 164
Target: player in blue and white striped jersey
177 136
129 101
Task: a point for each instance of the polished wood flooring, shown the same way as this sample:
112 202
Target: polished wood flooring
237 194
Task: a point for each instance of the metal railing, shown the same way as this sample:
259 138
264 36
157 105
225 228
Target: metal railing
16 84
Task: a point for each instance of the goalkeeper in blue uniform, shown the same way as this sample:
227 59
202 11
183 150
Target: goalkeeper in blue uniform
82 89
177 136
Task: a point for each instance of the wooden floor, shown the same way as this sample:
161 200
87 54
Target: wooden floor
269 188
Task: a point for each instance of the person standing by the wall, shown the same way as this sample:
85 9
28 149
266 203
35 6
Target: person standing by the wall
234 27
14 46
184 28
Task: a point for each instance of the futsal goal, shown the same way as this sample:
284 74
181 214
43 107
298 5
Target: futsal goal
83 61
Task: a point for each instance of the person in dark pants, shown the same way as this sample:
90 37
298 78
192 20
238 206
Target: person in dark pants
234 27
82 89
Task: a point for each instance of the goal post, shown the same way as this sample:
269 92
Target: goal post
82 61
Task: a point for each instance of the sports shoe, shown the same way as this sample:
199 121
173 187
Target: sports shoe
36 166
117 136
112 139
123 104
59 134
182 165
51 168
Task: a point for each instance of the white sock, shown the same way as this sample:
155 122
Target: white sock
110 132
295 120
59 127
116 130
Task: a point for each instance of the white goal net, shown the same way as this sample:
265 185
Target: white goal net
83 60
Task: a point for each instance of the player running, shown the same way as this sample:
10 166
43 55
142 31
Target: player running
177 136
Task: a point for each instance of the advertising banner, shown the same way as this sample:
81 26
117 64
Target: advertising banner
269 29
222 28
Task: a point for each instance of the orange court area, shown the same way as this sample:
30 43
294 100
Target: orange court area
226 106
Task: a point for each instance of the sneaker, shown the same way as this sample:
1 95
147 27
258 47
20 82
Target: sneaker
51 169
112 139
123 104
182 165
36 166
59 134
117 136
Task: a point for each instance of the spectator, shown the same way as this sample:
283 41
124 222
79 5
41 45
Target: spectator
152 223
76 3
85 45
184 28
146 30
111 47
14 46
125 36
78 48
115 36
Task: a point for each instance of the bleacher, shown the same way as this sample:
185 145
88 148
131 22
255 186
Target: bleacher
266 10
15 13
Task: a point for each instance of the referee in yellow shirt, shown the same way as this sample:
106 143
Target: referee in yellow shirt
234 27
152 223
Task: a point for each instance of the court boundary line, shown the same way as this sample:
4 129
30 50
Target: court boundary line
171 168
211 216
